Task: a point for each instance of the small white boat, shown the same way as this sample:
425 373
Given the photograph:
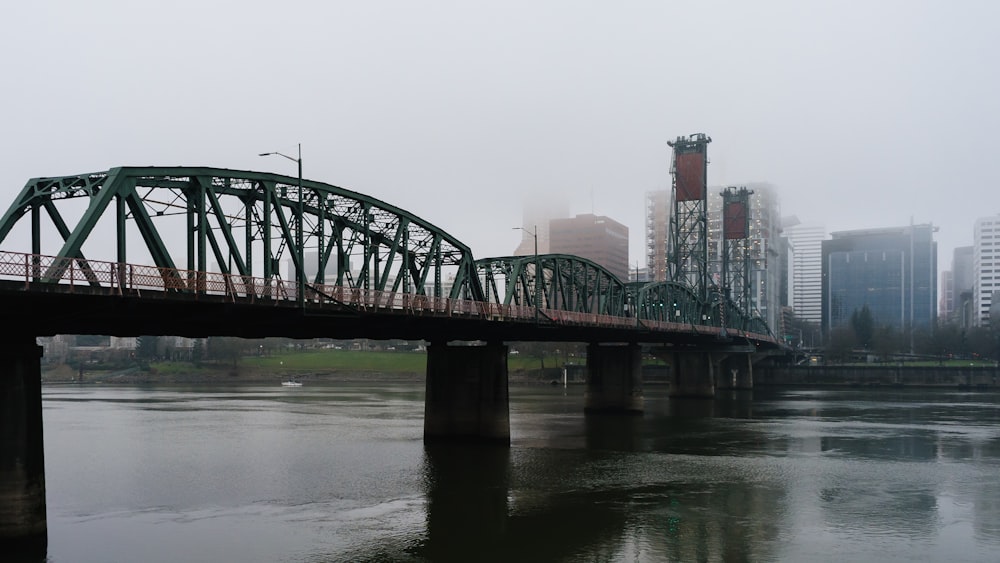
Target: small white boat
291 383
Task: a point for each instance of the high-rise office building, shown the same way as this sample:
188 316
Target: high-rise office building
946 305
962 276
986 267
805 268
658 205
594 237
892 271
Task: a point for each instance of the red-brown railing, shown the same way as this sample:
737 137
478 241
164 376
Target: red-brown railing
74 274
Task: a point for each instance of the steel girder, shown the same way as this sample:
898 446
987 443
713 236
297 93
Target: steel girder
689 222
678 303
669 302
568 283
245 223
736 247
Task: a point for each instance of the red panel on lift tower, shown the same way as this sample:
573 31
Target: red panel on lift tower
690 176
735 222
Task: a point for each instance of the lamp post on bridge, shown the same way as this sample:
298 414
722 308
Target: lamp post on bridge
538 287
300 268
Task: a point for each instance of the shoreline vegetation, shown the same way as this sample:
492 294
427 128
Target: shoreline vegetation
303 366
333 365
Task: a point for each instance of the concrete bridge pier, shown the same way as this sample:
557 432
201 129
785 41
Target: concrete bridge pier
735 371
692 373
614 379
467 398
23 528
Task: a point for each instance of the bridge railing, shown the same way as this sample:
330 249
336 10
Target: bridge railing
39 272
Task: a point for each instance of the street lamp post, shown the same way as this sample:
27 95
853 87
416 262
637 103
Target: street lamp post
538 287
300 272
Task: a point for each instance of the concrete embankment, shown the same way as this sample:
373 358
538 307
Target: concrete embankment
986 378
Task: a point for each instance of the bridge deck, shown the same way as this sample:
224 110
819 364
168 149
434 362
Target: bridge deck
61 295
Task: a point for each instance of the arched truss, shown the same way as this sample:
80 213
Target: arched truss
729 313
568 283
246 223
669 302
675 302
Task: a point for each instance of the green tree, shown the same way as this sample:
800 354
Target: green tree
841 344
863 325
92 340
980 342
198 352
226 349
145 347
886 341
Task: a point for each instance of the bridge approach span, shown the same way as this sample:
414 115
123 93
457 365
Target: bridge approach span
98 297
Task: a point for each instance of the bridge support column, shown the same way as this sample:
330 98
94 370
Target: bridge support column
467 398
23 528
692 374
614 379
736 372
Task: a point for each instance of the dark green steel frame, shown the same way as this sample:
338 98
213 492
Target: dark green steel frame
689 223
736 254
398 251
569 283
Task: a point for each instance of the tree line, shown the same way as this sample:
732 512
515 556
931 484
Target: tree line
943 341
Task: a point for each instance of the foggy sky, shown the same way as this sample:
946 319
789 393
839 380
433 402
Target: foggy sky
862 114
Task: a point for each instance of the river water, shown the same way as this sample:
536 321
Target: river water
339 472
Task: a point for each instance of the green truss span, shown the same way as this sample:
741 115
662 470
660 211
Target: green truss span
571 283
246 223
567 283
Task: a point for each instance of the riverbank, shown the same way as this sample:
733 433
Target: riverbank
303 368
183 373
969 377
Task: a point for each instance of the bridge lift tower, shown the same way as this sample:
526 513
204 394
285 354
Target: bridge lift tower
688 260
736 248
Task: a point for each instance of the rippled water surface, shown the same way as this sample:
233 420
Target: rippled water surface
339 472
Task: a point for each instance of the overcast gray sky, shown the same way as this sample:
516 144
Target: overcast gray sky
861 113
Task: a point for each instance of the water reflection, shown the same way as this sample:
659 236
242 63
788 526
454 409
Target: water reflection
467 491
342 475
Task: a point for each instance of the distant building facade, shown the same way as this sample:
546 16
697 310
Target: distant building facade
892 271
986 267
594 237
962 282
658 209
311 260
946 306
805 268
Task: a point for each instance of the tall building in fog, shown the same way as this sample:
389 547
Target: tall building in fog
537 214
946 287
892 271
594 237
986 267
312 268
962 282
805 268
658 205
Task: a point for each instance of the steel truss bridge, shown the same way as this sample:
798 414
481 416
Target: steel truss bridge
198 252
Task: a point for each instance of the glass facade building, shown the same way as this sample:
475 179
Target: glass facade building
893 271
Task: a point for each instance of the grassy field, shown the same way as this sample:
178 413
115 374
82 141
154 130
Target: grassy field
410 362
383 362
341 360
